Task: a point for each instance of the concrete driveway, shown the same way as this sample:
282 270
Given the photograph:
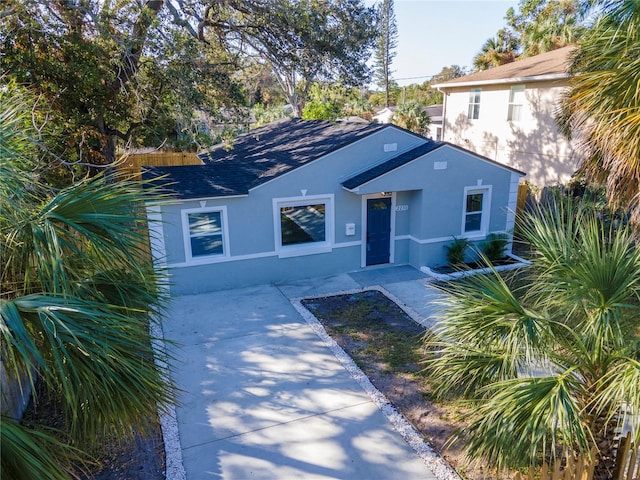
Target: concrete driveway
265 397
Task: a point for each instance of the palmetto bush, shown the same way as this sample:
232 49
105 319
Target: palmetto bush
550 361
77 295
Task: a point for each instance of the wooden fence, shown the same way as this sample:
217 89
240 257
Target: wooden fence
627 461
132 164
582 468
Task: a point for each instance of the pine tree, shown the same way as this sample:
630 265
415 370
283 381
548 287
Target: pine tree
387 42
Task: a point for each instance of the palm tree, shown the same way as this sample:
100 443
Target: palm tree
412 116
496 51
549 25
600 110
77 296
553 364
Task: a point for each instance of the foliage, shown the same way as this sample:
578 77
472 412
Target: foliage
385 45
77 296
423 93
544 25
264 114
537 26
496 51
326 102
113 75
320 111
302 40
549 363
411 116
456 251
600 109
493 247
108 73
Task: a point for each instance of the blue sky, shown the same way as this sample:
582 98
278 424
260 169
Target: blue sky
437 33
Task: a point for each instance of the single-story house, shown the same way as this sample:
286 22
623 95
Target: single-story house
296 199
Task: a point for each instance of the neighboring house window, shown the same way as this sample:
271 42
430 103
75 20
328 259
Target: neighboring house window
303 225
474 104
516 101
477 201
205 232
438 134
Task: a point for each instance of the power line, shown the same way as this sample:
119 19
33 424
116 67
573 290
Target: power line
416 78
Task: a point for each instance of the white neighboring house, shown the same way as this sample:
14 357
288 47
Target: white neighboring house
384 115
434 131
507 113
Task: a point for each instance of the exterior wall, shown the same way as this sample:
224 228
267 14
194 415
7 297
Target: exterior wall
427 210
533 144
436 211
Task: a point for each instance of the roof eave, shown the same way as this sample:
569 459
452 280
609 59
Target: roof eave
503 81
355 190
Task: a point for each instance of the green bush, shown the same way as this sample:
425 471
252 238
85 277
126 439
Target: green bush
493 248
456 251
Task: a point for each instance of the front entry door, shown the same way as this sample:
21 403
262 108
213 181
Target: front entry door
378 230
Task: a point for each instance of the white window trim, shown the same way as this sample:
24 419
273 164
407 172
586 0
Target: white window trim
512 102
285 251
486 210
189 258
472 93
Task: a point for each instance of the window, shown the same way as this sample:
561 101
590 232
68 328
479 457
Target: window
303 225
476 211
474 104
205 232
516 100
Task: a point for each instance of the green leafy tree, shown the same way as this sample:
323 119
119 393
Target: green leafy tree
411 116
600 110
552 365
78 294
116 74
111 73
385 47
303 41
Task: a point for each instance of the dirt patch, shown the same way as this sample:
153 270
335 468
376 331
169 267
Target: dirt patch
387 345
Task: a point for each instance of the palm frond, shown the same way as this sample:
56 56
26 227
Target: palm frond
524 420
618 397
485 335
99 360
29 454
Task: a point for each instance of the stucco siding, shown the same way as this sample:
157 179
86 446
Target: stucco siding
532 144
255 271
427 200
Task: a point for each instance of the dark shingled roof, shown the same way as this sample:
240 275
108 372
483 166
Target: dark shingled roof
391 164
259 156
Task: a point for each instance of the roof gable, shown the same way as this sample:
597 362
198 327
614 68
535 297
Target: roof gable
398 161
260 156
391 164
549 64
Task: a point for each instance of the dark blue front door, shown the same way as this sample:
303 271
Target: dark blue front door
378 230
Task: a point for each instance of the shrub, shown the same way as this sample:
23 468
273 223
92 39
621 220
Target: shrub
456 251
493 248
